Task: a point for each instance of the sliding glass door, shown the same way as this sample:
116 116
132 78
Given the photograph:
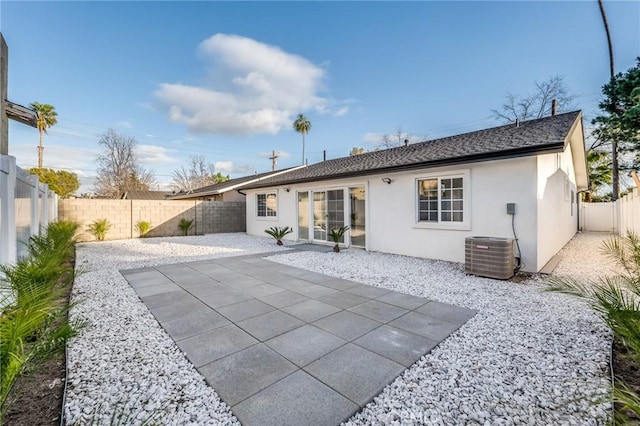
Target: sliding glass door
320 212
303 215
358 215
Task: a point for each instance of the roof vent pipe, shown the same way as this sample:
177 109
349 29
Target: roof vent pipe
406 142
517 122
554 107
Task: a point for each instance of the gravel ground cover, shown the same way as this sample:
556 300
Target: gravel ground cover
527 357
124 366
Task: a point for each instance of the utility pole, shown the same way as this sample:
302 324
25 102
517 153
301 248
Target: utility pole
273 158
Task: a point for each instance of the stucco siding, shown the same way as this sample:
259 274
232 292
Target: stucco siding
557 208
391 209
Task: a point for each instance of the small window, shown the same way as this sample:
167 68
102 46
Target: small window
441 200
267 205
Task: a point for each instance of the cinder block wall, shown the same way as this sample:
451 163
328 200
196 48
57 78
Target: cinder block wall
208 216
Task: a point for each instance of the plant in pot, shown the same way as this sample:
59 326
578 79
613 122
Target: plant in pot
279 233
337 236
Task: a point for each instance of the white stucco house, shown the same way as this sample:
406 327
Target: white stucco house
424 199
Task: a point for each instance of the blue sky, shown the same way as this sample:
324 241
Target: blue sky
226 79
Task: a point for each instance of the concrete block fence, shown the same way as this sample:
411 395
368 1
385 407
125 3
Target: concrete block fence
208 216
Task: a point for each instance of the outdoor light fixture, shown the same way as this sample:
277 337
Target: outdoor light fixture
387 180
287 189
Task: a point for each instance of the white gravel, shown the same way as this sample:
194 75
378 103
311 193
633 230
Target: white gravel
123 365
527 357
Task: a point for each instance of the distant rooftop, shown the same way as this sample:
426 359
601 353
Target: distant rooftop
231 184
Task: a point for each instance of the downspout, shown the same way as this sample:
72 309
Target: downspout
240 192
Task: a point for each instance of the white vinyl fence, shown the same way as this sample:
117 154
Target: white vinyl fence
26 207
617 217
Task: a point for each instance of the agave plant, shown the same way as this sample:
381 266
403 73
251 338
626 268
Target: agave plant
143 228
99 228
337 237
279 233
185 225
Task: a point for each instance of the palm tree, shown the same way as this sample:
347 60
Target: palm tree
614 143
46 118
302 125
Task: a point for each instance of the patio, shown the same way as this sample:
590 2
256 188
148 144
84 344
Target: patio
527 356
284 345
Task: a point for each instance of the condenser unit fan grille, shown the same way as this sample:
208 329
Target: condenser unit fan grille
489 257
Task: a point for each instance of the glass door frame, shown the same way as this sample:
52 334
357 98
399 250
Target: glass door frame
346 188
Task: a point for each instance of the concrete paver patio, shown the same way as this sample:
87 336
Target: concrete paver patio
287 346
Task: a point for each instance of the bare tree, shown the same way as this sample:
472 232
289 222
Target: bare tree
199 174
537 104
119 169
399 138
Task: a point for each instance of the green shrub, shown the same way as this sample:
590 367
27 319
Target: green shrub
33 322
279 233
99 228
143 228
185 225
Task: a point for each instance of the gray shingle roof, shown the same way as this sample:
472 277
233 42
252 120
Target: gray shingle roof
219 188
529 138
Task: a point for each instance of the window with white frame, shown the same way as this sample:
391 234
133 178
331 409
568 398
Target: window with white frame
441 200
267 205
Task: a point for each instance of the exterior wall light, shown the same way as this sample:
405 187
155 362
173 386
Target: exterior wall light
387 181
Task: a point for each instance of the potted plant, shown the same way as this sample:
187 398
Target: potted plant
279 233
336 235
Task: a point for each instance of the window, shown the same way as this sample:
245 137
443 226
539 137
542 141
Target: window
267 205
441 200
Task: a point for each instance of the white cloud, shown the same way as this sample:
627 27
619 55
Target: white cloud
266 88
80 161
231 167
154 154
124 124
372 138
342 111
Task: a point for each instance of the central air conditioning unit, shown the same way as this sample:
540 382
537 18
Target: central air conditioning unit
489 257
